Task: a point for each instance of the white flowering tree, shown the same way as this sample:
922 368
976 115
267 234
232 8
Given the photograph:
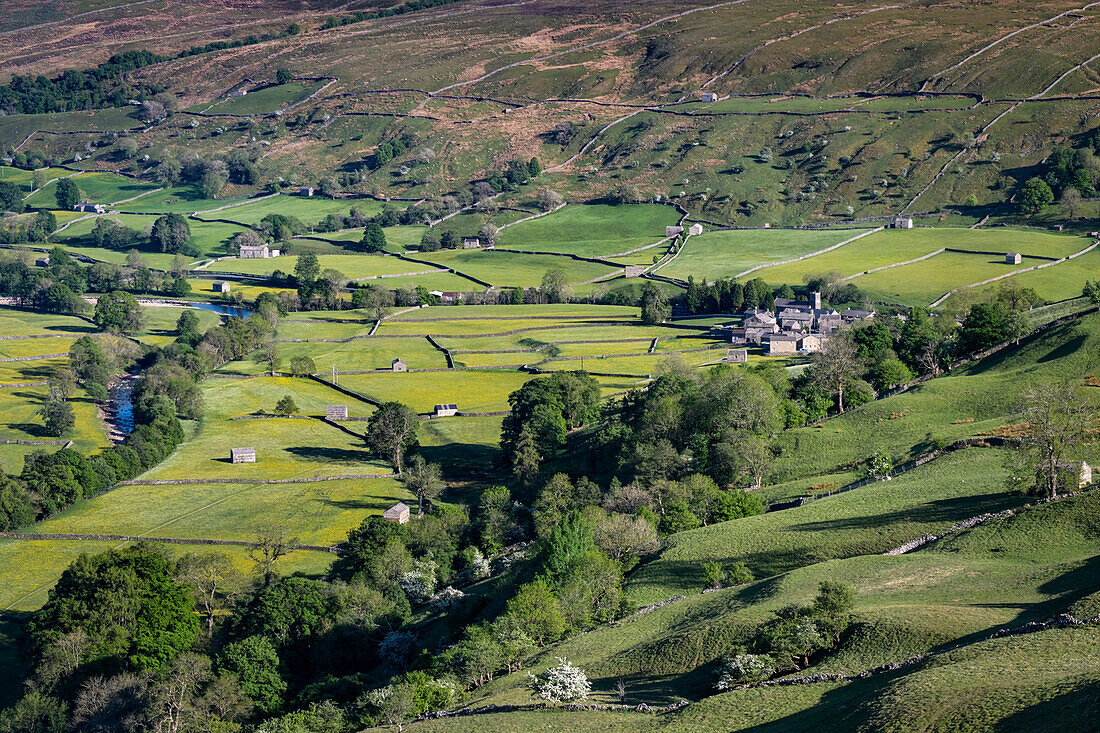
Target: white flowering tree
563 683
743 669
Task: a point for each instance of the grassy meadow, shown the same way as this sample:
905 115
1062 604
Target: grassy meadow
596 230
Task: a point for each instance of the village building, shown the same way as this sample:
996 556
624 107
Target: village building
399 513
220 286
336 412
852 315
242 455
811 342
471 243
903 222
781 343
85 206
445 410
1013 258
736 356
398 365
306 191
708 97
257 252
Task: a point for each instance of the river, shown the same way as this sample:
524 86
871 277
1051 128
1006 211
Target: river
118 413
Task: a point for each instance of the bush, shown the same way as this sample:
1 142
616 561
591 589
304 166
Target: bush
744 669
563 683
286 406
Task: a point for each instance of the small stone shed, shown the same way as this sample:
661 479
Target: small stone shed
399 365
336 412
242 455
695 230
736 356
903 222
220 286
708 97
446 410
399 513
1013 258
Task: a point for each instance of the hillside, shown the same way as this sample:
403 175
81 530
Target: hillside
937 104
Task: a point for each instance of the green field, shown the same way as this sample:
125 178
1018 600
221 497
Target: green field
714 255
97 188
285 448
309 210
178 199
351 266
266 100
210 237
508 269
160 324
592 231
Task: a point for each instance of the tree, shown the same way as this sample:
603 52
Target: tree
835 365
391 432
302 366
625 538
1033 196
268 355
213 581
1071 201
555 286
255 662
136 616
548 199
11 198
537 610
1055 420
286 406
374 239
563 683
187 326
273 541
118 312
623 193
170 233
213 182
1092 291
425 480
68 195
283 76
58 417
655 307
1016 326
983 327
488 233
16 509
308 268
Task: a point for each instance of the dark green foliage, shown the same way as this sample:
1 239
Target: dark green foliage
547 408
654 305
983 327
58 417
171 233
16 509
283 76
364 544
11 198
135 615
119 312
67 194
286 406
255 661
391 433
374 239
1033 196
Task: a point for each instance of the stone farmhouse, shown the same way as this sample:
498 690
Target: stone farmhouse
794 327
257 252
85 206
398 513
471 243
242 455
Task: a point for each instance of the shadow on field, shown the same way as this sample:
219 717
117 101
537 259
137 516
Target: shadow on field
460 455
1051 715
32 429
81 328
330 455
379 504
955 509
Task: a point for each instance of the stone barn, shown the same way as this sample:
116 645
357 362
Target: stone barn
306 191
258 252
708 97
1013 258
471 243
399 365
736 356
672 231
445 410
220 286
634 270
336 412
399 513
695 230
903 222
242 455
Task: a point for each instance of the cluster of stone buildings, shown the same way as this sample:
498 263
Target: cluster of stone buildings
794 327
